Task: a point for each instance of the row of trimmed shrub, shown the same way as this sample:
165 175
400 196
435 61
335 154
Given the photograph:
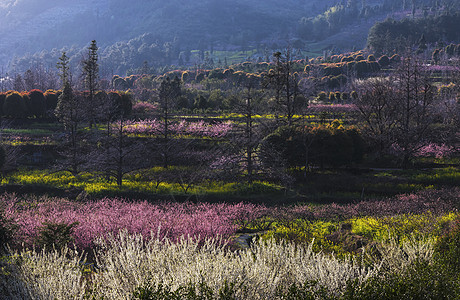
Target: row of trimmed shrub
333 66
36 103
336 96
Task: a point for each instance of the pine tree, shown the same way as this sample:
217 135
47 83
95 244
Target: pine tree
91 74
64 69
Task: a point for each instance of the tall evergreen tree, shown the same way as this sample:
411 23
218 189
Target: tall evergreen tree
91 75
64 69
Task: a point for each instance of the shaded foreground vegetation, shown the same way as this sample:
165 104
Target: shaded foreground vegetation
405 247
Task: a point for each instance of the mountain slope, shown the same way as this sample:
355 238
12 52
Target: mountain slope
34 25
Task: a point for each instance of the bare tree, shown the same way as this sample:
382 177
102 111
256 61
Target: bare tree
71 113
398 111
119 154
40 78
168 94
116 153
378 108
284 83
250 135
18 83
241 157
416 99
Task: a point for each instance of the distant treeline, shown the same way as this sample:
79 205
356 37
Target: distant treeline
449 51
117 58
336 17
391 36
331 71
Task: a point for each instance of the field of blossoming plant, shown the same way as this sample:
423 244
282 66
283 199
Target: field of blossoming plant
271 180
396 234
194 230
406 247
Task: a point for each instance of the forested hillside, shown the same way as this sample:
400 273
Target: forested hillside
33 26
394 36
180 32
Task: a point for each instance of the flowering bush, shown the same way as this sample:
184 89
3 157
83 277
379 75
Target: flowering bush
94 219
144 108
334 109
147 249
128 265
426 150
437 151
173 220
199 129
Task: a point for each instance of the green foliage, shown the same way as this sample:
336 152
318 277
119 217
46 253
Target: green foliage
384 61
327 23
392 36
121 104
349 237
119 83
448 247
51 99
2 102
332 97
90 69
15 105
37 103
192 291
67 106
152 181
57 235
403 226
445 176
330 145
421 280
308 291
303 231
322 97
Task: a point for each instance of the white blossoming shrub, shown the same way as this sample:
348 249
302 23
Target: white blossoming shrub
127 264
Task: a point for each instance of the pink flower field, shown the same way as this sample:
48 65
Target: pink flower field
199 220
98 218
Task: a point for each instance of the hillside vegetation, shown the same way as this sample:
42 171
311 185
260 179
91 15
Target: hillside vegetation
169 33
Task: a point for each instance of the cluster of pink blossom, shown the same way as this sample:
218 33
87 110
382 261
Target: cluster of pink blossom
200 128
95 219
434 201
440 68
435 150
173 220
144 108
428 150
